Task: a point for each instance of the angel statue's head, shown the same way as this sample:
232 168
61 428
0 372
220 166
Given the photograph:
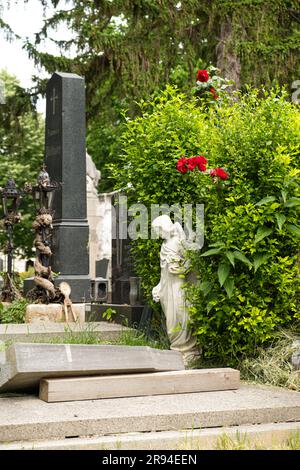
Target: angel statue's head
164 228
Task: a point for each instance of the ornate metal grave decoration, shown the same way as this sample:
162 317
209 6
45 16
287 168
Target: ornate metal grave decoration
11 198
43 196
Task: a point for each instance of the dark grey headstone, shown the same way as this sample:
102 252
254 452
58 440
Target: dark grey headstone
122 261
129 315
101 268
66 163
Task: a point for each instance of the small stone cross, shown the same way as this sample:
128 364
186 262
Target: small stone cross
53 99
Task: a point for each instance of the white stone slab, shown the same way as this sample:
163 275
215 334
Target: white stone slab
27 363
133 385
28 418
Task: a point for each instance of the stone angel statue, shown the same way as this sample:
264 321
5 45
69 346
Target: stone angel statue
169 291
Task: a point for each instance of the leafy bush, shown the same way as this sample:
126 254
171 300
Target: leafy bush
14 312
248 273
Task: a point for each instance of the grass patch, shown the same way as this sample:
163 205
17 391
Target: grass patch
88 335
272 366
242 441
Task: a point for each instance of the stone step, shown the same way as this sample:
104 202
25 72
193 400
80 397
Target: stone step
43 332
27 363
134 385
26 418
258 436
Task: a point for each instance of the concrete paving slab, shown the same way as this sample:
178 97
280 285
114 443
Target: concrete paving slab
42 332
134 385
27 363
258 436
28 418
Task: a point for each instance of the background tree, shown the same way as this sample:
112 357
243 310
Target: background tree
21 152
127 49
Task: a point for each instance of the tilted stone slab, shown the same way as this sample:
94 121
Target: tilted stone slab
27 363
134 385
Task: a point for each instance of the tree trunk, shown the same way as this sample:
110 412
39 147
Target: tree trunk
227 60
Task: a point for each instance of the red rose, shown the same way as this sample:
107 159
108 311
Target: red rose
182 165
192 163
202 76
201 162
202 167
220 173
214 93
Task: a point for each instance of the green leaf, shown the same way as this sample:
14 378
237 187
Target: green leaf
266 200
292 202
293 229
223 272
241 257
229 286
205 287
284 196
262 232
259 259
280 220
213 251
217 245
230 256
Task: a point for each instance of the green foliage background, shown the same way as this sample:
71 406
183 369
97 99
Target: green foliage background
128 49
248 281
21 153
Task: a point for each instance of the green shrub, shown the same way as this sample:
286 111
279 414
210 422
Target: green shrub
14 312
249 283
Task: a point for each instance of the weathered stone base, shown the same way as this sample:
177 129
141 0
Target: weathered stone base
41 313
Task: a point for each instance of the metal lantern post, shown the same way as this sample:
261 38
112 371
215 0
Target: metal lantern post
11 198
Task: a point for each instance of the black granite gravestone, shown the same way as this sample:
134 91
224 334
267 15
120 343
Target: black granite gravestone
65 158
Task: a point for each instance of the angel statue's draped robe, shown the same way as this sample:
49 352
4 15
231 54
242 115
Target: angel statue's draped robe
169 290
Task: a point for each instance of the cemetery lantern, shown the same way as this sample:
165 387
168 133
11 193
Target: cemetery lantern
11 198
43 192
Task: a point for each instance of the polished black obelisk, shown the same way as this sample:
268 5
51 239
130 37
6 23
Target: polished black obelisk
65 158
